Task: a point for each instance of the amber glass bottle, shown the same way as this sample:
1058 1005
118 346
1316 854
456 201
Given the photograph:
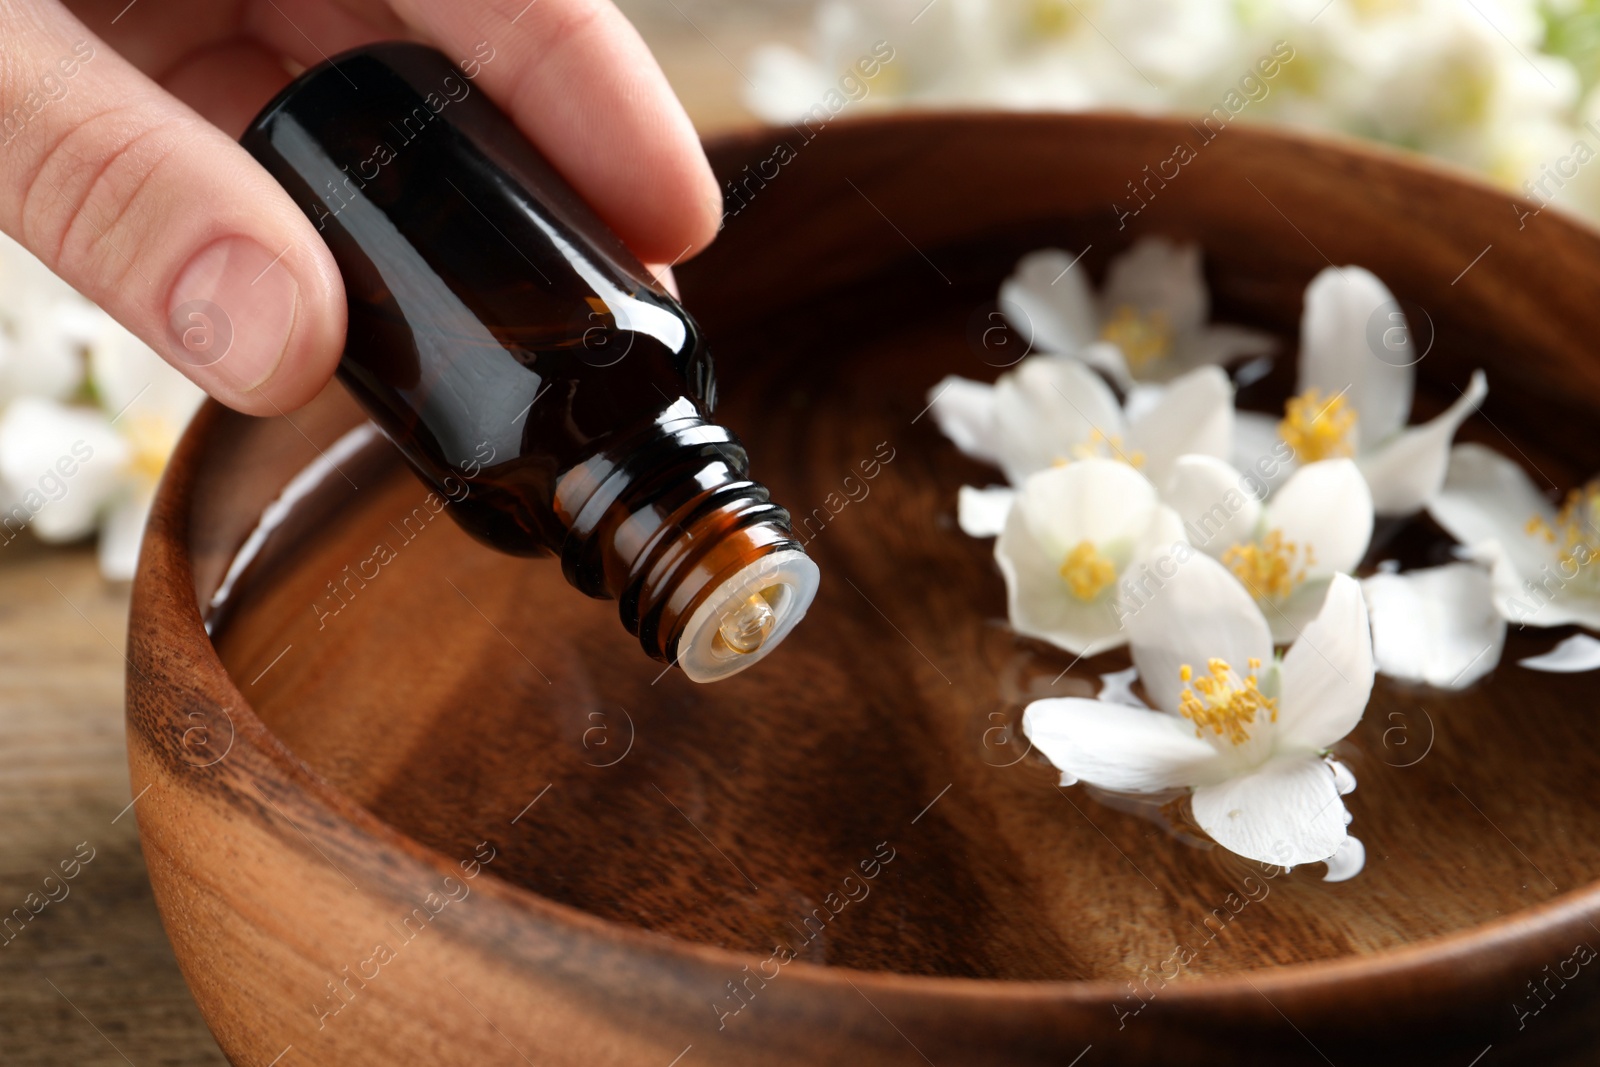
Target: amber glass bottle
525 362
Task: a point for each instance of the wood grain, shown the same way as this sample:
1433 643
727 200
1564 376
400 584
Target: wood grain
651 839
90 978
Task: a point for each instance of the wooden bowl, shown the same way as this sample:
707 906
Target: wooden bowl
430 806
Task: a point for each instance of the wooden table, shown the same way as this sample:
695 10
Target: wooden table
91 980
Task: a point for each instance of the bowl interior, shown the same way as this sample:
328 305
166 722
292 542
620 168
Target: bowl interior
461 695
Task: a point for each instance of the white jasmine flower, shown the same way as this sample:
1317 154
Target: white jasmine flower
150 404
1493 85
45 325
58 463
844 66
1458 81
1073 533
1356 373
1248 734
1050 410
1543 559
952 52
1149 324
1437 626
1010 53
69 469
1473 83
1286 551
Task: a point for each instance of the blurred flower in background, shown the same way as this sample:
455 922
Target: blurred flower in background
88 416
1503 87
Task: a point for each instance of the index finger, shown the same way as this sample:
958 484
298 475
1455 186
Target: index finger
579 81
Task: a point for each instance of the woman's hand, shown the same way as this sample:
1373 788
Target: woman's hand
119 166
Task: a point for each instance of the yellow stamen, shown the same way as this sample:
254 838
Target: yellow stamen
1271 568
1048 19
152 440
1317 428
888 78
1222 702
1087 571
1576 531
1142 337
1099 446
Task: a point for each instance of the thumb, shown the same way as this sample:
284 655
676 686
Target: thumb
162 219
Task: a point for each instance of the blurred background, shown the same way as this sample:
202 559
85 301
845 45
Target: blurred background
1502 88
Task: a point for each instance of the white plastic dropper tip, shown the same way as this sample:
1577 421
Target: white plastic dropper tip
747 616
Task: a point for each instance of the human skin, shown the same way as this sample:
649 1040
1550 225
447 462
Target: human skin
125 177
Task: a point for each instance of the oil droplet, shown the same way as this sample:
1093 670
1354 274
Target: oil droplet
748 626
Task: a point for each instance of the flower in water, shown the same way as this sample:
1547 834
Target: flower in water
1050 410
1357 366
1286 550
1148 325
1248 734
1543 559
1072 534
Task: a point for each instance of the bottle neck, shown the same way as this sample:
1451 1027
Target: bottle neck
703 565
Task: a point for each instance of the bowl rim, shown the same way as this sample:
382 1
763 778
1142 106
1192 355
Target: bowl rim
166 573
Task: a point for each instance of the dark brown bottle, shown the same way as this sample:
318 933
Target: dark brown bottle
526 363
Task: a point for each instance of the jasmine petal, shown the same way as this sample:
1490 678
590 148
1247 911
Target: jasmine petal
982 512
1576 654
1436 626
1287 811
1408 469
1348 862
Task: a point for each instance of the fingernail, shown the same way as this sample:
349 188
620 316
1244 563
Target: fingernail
231 312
